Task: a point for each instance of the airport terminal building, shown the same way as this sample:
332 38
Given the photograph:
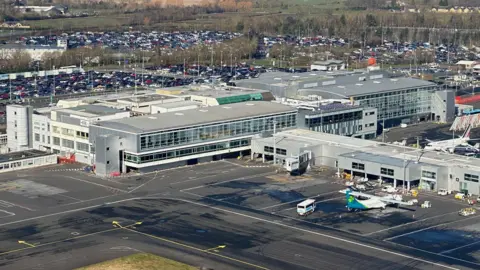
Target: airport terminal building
152 142
397 100
399 165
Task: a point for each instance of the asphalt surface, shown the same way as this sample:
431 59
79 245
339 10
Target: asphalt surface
66 220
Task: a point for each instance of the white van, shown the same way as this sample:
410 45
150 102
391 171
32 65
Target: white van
306 207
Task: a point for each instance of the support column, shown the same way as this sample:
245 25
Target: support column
395 183
408 185
252 154
263 158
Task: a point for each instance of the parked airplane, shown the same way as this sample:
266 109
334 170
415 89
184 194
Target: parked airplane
449 145
363 201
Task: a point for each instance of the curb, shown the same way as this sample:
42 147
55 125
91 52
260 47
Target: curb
64 170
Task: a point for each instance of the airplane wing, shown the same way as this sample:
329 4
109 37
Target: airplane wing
361 194
389 201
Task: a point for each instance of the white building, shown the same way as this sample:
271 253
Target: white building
62 131
19 127
328 65
174 106
36 51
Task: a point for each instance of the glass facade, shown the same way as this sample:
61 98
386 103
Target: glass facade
346 123
211 132
398 104
138 159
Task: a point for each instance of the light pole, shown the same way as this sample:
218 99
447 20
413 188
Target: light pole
274 142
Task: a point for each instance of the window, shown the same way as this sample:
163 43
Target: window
82 135
82 147
387 171
43 138
371 113
108 162
471 177
358 166
268 149
427 174
281 151
37 137
108 148
56 141
68 144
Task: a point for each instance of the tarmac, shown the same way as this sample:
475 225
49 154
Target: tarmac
221 215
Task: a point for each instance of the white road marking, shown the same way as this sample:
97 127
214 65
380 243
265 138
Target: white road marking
9 204
427 228
453 249
96 184
409 223
322 234
9 213
437 254
153 178
75 199
231 180
94 199
298 200
194 179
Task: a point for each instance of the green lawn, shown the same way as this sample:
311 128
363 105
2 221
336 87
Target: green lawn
140 261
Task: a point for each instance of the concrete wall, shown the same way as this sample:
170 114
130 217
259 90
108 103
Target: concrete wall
108 156
443 106
28 163
41 126
19 127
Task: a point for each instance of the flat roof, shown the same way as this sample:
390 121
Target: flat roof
13 156
373 150
91 110
382 159
369 87
178 104
146 98
193 117
223 92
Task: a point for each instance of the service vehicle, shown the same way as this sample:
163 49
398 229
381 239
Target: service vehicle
389 189
306 207
426 204
460 196
467 212
444 192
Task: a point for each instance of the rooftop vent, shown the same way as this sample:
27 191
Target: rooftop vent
249 104
226 107
341 86
178 113
393 80
359 84
152 117
376 82
313 74
203 110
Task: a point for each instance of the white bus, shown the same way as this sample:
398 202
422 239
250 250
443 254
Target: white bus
306 207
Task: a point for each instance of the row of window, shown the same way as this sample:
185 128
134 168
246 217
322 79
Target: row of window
430 175
71 144
185 152
279 151
471 177
386 171
311 120
358 166
217 131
